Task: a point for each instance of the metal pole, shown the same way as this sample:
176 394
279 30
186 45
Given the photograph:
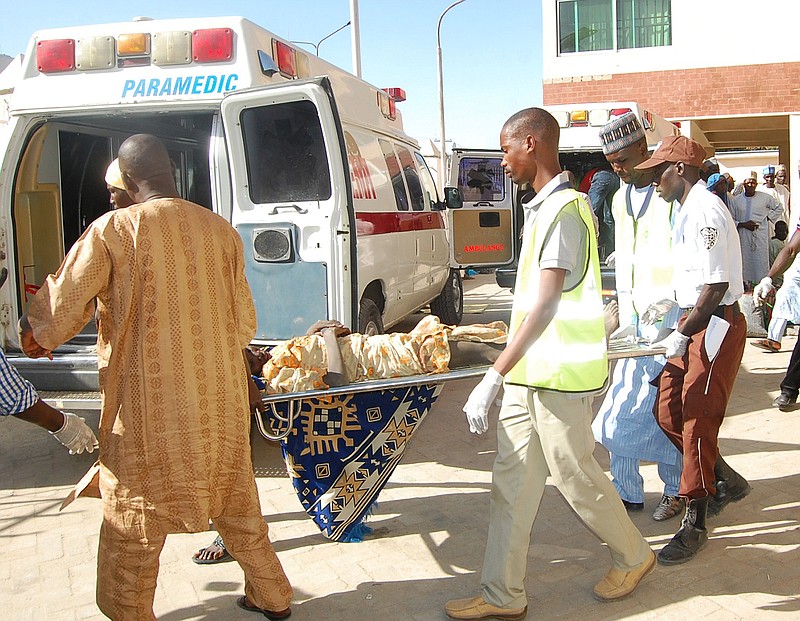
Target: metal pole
355 35
329 36
443 150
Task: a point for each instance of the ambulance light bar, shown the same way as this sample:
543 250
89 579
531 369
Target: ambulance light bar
587 118
179 47
291 63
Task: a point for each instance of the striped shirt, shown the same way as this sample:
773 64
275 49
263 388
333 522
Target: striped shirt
16 393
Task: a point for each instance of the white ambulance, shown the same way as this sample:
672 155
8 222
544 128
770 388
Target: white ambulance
338 211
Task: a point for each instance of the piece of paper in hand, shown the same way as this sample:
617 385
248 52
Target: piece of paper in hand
715 334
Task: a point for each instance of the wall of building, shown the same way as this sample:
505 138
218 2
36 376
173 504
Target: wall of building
685 93
705 33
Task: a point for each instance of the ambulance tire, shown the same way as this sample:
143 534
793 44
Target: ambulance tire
370 321
449 306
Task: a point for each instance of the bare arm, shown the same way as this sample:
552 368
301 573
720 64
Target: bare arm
710 297
551 285
43 415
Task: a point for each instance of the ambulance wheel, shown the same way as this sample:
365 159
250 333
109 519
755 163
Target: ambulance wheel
370 321
449 306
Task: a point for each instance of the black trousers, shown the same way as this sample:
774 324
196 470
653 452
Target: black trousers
790 385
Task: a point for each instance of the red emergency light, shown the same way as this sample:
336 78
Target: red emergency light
55 55
212 45
620 111
284 54
398 94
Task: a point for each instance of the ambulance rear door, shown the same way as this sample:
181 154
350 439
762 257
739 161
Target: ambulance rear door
292 205
482 231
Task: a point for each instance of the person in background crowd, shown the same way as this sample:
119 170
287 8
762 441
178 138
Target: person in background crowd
751 211
625 424
787 300
778 192
704 353
551 365
787 307
601 191
174 427
709 167
718 184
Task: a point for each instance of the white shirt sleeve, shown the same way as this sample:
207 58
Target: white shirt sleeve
713 253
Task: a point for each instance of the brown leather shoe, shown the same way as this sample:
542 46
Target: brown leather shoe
618 584
477 608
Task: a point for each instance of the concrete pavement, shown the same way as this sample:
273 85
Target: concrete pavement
430 528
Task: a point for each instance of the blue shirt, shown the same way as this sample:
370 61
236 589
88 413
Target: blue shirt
16 393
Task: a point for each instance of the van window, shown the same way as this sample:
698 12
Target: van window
431 196
412 179
285 153
481 179
393 167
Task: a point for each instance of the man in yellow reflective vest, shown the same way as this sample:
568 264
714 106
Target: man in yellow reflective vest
554 362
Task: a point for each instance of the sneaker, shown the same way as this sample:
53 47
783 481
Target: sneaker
618 584
477 608
767 345
669 507
783 402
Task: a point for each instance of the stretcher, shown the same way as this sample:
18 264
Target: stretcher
342 444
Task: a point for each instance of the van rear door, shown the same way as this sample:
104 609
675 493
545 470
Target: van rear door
481 231
292 205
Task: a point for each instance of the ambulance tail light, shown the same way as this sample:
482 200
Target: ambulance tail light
55 55
212 45
620 111
284 54
579 118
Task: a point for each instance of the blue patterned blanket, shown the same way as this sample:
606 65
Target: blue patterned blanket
342 450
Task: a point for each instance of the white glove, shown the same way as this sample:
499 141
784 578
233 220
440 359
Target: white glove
611 260
675 344
480 399
76 435
762 290
656 311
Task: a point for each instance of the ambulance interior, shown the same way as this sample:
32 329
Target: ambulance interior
60 184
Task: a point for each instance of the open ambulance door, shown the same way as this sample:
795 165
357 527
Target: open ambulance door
482 230
292 205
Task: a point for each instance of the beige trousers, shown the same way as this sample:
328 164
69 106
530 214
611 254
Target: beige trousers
543 433
127 562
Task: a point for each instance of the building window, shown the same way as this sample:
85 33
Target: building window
597 25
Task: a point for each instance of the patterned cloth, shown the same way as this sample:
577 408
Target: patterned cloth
343 449
16 393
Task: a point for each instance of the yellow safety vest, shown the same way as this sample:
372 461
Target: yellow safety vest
570 355
643 252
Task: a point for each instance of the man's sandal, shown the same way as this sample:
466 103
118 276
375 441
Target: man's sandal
223 558
273 615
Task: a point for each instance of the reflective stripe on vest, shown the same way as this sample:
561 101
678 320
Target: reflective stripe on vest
570 355
643 255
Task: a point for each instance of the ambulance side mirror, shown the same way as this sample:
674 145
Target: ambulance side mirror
453 198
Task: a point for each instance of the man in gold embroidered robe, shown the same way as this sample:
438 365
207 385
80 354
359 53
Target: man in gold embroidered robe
174 313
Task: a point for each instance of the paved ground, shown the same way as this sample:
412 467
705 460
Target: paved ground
430 528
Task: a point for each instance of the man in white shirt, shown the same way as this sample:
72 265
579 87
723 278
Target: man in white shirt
705 351
752 209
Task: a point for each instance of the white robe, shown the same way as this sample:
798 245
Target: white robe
759 208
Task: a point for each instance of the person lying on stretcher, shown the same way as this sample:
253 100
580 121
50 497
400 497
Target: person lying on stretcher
330 355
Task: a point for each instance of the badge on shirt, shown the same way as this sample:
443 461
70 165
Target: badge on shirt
710 236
